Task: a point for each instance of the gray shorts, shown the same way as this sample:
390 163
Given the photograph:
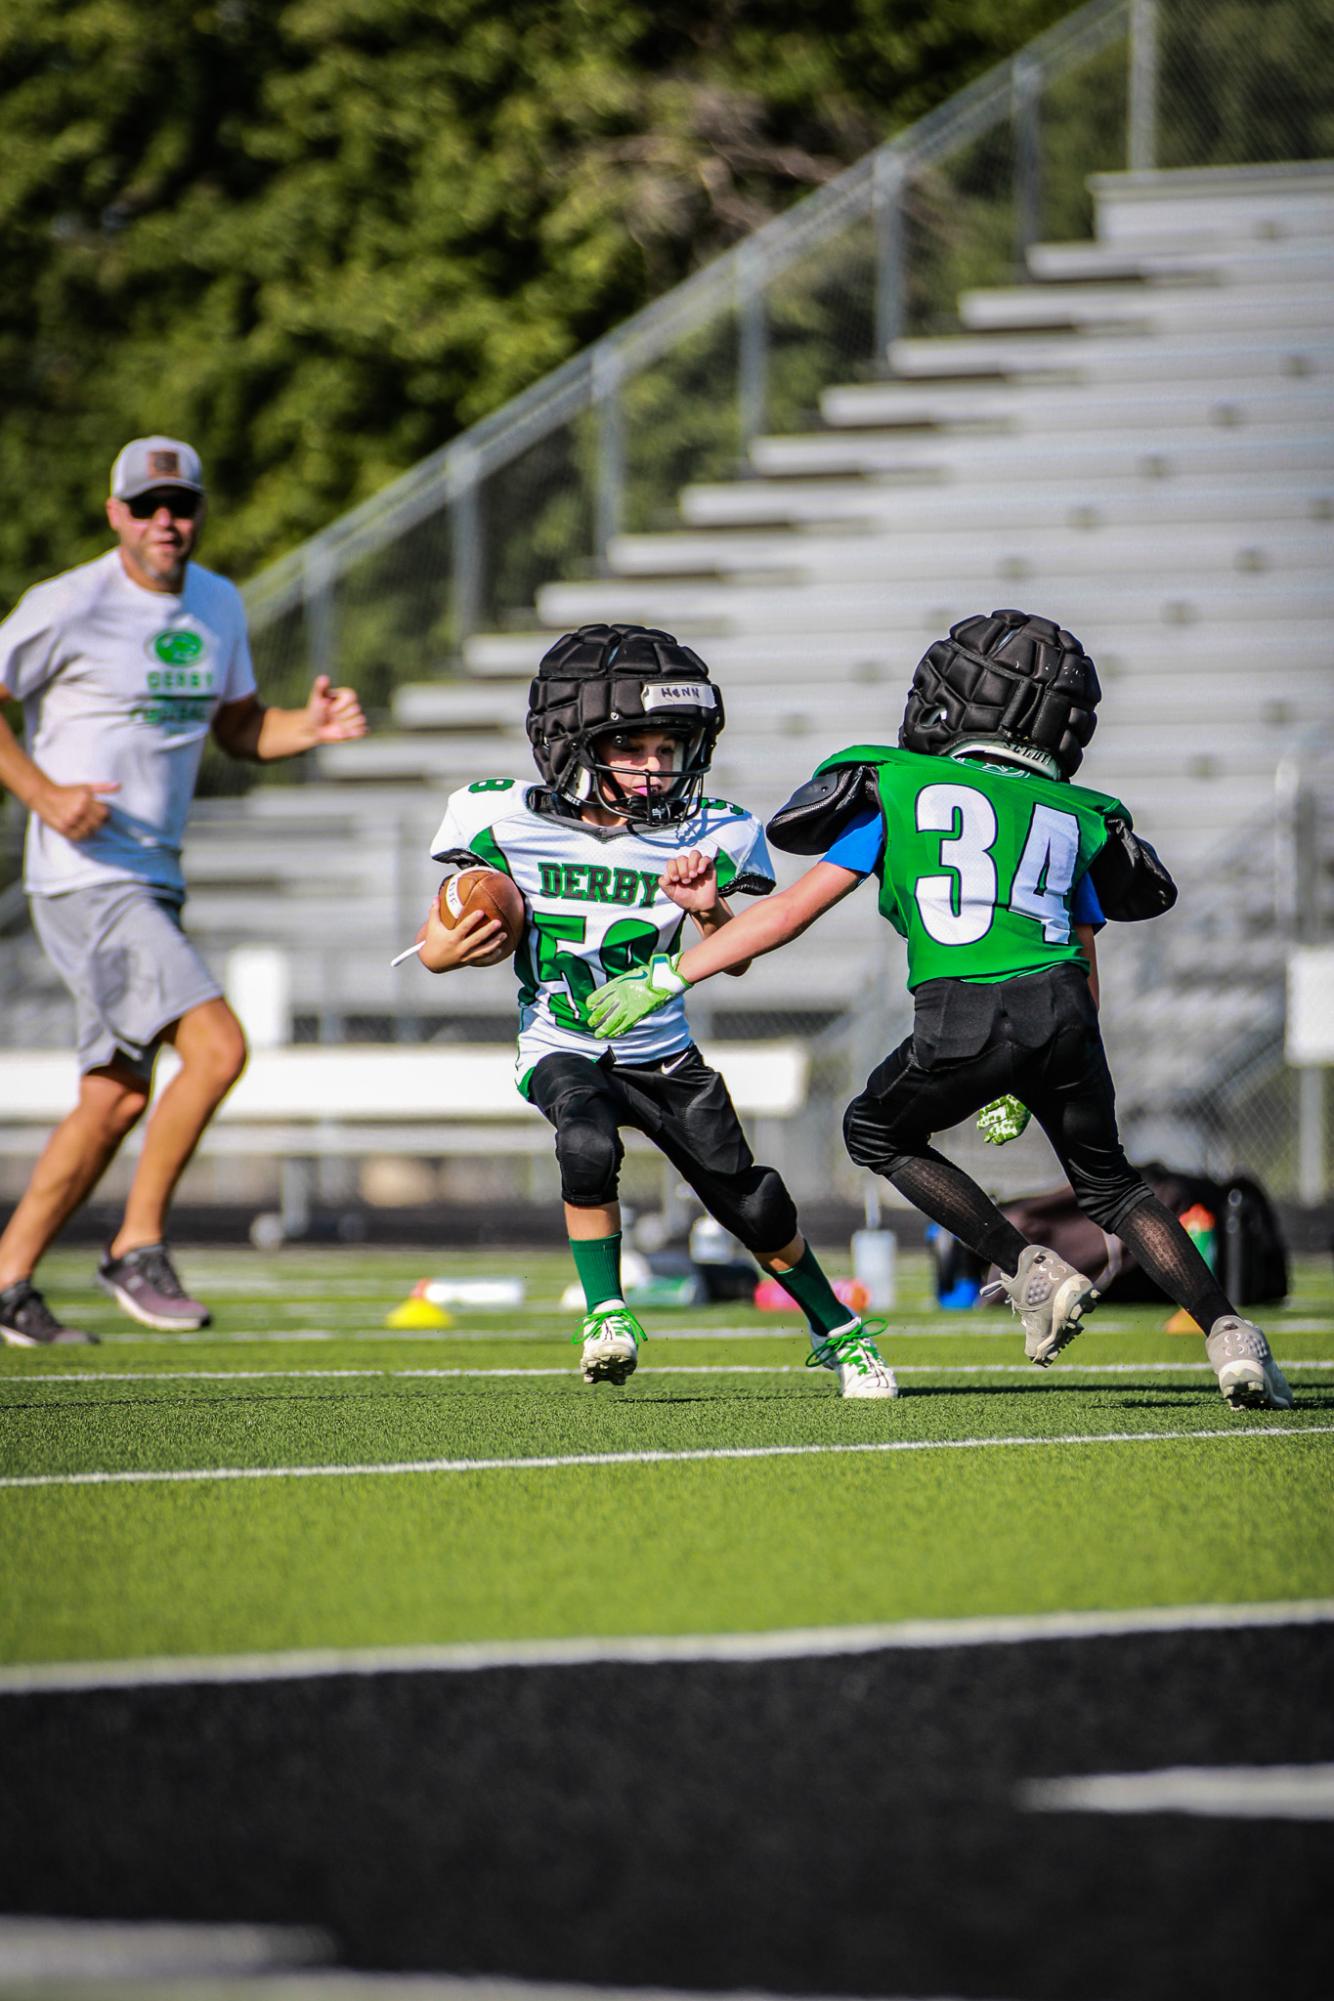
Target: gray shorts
120 950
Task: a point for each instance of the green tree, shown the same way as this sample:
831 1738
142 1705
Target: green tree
318 238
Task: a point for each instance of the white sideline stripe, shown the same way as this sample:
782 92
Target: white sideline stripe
335 1983
1045 1381
795 1643
1224 1792
919 1331
145 1477
78 1949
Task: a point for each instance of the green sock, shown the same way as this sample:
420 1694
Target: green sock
814 1295
598 1263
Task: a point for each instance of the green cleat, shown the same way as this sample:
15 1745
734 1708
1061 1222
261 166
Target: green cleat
611 1336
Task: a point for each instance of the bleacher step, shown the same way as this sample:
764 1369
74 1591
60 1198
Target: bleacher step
966 554
865 503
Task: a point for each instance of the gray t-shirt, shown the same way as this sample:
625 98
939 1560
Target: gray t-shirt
120 684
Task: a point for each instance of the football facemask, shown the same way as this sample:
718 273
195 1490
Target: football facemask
643 797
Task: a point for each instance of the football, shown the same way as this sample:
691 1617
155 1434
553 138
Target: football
487 889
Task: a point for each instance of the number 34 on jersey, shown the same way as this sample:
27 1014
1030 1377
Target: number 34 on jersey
982 866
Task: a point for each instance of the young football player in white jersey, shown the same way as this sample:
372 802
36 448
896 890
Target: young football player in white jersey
613 850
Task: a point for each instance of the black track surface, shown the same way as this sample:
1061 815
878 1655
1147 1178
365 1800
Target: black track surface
823 1826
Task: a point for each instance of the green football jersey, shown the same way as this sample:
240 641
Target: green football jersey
980 861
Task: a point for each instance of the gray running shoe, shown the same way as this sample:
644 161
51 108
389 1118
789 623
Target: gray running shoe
1248 1375
26 1321
1050 1297
144 1284
610 1335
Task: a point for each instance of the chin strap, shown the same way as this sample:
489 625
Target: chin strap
1027 756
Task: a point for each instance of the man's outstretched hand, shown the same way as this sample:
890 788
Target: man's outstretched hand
333 714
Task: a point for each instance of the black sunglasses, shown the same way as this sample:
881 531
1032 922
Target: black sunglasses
183 504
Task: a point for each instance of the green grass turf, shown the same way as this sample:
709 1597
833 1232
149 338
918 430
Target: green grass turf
1123 1515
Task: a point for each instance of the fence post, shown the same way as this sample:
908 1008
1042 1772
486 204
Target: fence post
609 479
889 177
752 384
1296 902
1298 914
1312 1136
1025 126
317 597
465 535
1142 136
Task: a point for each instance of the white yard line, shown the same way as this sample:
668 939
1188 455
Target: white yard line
1046 1381
1227 1792
66 1950
800 1643
146 1477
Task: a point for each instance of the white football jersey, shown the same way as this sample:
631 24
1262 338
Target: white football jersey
595 907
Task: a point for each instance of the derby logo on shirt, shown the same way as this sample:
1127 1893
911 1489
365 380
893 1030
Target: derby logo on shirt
179 695
177 646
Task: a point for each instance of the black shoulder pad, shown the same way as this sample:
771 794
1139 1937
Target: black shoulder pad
460 858
749 884
1130 880
818 811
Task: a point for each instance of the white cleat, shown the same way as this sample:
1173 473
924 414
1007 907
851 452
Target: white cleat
611 1336
1248 1375
1051 1298
854 1358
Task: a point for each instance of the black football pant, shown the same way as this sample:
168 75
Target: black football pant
1036 1037
684 1107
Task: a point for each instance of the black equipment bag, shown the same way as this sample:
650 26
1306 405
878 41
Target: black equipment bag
1250 1256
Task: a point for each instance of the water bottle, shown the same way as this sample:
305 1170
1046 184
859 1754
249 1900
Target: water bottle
873 1263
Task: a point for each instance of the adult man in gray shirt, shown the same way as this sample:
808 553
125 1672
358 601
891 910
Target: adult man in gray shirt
122 666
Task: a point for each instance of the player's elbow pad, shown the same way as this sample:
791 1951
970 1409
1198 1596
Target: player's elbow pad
1130 880
818 811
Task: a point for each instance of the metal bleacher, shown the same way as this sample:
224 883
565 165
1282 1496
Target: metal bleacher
1158 475
1166 493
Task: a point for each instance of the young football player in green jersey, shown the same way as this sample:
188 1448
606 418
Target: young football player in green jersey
612 851
996 870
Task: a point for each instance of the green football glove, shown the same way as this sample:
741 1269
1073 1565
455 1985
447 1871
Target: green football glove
617 1006
1003 1119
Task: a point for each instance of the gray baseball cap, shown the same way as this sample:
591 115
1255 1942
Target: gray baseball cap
149 462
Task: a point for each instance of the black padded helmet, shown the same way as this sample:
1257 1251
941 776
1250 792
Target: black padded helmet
1022 685
633 677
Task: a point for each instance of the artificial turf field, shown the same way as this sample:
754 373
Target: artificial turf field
412 1642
